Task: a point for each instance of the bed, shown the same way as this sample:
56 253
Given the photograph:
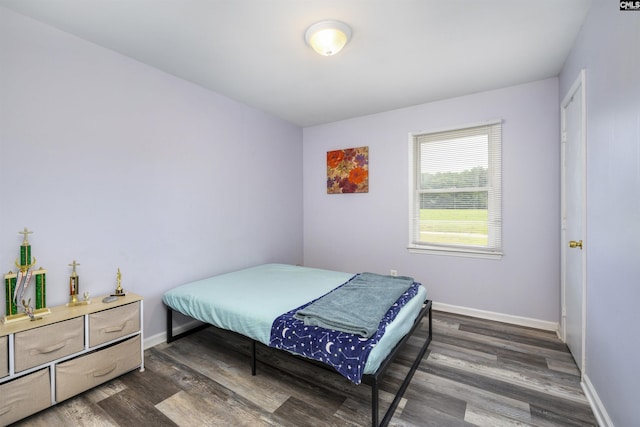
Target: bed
253 303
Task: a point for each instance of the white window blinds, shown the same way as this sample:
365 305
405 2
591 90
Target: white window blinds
456 196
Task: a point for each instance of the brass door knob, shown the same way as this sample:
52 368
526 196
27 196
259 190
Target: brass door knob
574 244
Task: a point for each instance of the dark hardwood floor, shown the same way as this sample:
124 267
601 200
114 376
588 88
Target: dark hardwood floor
476 372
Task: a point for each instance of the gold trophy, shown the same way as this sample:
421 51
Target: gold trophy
74 288
119 292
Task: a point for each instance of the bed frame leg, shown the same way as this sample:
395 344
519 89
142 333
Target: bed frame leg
171 337
253 357
169 325
430 325
374 404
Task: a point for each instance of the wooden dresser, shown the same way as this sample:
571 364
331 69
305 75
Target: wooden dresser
66 352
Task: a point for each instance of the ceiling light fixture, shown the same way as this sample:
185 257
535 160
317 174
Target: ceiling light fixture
328 37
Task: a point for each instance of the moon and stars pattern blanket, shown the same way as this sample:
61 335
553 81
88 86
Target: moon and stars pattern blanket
346 352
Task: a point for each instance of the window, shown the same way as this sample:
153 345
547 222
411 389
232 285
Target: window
455 197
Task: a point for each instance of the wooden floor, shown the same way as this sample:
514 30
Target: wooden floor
476 372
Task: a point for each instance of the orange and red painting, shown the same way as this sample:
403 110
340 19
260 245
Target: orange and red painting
348 170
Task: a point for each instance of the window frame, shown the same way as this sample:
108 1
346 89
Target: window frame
494 248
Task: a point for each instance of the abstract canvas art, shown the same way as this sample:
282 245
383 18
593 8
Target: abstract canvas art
348 170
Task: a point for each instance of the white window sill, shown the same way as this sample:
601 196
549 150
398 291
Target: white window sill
468 253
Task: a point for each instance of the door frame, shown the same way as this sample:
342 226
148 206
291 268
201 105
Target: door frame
578 85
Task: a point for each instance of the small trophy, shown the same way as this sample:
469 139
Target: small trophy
119 292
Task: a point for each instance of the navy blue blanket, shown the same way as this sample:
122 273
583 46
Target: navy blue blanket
346 352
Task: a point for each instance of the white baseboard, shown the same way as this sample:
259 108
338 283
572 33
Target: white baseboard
162 336
500 317
597 406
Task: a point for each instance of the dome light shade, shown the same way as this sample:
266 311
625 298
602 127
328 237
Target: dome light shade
328 37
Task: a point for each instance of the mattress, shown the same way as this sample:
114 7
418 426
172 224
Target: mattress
248 301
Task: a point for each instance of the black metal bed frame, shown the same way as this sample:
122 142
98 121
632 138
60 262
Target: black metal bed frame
369 379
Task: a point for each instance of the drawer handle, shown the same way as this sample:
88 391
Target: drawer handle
106 371
115 328
50 349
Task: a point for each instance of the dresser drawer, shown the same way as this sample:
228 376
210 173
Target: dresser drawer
84 372
4 356
114 323
47 343
24 396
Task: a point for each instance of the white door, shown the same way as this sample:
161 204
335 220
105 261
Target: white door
573 121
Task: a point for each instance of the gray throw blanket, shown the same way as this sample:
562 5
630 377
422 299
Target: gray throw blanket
357 306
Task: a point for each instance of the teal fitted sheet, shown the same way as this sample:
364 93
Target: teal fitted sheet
248 301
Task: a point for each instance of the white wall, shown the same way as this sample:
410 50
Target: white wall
369 232
608 48
116 164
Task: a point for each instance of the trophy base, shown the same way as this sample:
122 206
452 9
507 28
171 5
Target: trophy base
23 316
78 302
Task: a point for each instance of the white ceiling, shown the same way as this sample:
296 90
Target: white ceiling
403 52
